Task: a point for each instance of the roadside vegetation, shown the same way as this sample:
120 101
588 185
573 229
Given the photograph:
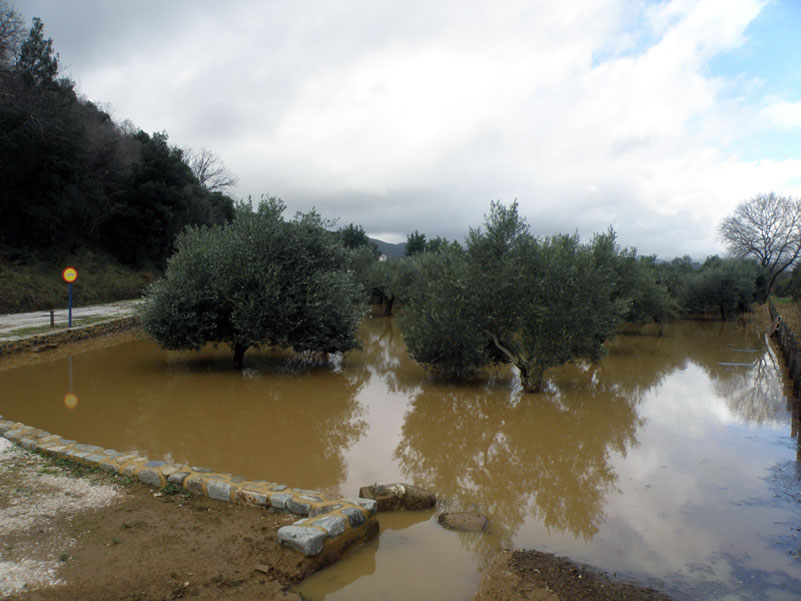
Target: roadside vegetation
34 283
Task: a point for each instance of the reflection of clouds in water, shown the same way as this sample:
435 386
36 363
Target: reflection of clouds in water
693 501
687 402
723 393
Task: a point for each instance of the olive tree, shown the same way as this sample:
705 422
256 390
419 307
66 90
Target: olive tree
728 286
257 281
512 297
766 228
649 298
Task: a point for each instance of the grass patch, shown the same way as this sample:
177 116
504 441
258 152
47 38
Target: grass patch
63 325
173 489
791 314
73 469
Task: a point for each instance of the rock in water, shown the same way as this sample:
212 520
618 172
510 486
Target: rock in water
468 521
398 497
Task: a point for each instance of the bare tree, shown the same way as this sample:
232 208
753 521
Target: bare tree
209 170
768 228
12 31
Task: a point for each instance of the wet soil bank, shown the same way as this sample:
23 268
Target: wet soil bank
527 575
145 545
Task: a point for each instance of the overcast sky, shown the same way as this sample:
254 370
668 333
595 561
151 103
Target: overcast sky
656 118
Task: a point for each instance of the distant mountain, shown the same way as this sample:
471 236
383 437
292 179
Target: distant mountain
392 251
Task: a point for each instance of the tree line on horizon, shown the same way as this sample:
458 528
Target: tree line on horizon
504 296
73 178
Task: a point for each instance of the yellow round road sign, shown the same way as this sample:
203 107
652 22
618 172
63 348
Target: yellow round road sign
70 400
69 274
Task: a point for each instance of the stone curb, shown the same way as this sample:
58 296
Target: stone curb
327 523
113 325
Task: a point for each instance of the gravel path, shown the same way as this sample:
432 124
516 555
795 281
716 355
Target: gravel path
33 495
14 321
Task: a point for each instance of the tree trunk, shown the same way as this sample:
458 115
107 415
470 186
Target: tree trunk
531 379
659 327
388 308
239 354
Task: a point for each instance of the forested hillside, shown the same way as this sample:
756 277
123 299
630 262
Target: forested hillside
72 180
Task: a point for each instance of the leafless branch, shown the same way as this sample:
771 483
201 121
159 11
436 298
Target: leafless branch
209 170
768 228
12 29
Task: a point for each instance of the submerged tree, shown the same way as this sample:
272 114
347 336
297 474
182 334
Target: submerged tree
511 297
257 281
650 299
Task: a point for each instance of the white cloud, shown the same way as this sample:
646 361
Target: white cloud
414 115
784 114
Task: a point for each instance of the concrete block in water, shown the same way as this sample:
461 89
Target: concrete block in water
334 525
218 489
324 509
193 485
308 541
252 497
95 459
149 476
178 478
368 504
355 516
279 501
88 448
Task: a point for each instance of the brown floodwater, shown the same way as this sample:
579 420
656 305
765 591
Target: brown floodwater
673 462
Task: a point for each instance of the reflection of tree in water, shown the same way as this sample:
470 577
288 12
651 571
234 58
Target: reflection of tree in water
384 355
744 370
281 419
548 455
509 454
754 393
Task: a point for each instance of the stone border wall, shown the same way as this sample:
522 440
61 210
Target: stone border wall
327 525
95 330
791 349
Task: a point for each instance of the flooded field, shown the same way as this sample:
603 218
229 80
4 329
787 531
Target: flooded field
672 463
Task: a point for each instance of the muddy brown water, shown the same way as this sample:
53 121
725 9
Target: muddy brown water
671 463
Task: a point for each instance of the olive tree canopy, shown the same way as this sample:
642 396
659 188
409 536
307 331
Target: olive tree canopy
512 297
257 281
768 228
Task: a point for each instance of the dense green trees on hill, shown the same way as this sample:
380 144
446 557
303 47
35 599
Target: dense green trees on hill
71 177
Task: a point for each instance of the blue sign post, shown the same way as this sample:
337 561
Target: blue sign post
70 274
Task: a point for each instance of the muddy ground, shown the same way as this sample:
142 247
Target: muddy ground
130 542
74 534
525 575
